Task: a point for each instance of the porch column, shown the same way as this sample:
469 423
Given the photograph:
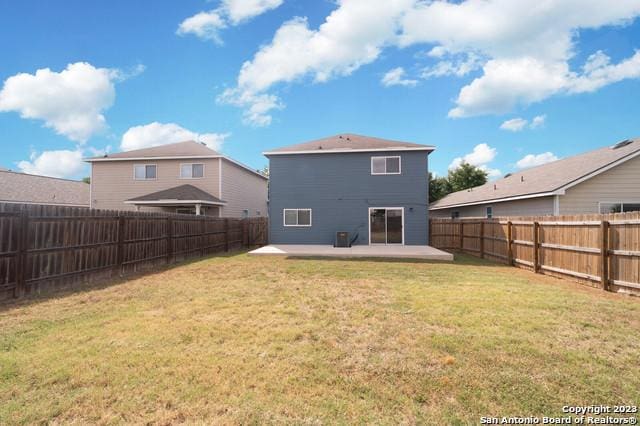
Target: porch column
198 209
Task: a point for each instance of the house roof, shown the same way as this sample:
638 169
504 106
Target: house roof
183 193
187 149
545 180
348 142
174 151
31 189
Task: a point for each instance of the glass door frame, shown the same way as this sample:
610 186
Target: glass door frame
385 219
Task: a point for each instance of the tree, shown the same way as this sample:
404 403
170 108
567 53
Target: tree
466 176
265 171
86 179
438 187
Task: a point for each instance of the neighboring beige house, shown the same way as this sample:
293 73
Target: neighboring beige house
601 181
185 177
22 188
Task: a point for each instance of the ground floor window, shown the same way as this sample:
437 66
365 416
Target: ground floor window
489 212
297 217
455 215
608 207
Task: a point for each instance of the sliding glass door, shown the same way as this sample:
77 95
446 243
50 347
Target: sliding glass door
385 225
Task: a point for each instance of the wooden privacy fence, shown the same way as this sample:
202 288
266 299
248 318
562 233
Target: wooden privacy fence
601 250
45 247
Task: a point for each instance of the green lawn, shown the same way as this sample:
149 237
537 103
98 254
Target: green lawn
243 339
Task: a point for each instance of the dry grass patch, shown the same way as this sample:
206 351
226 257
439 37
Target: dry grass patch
270 340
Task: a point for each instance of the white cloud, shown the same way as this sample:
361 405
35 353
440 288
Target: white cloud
352 35
63 163
532 160
481 155
514 125
71 102
156 134
538 121
207 25
396 77
518 124
242 10
457 67
522 47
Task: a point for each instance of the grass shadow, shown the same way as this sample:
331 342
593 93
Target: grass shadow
99 284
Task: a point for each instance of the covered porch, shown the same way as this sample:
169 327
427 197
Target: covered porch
184 199
382 251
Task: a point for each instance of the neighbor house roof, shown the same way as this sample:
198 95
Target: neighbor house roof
174 151
188 149
348 142
31 189
183 194
549 179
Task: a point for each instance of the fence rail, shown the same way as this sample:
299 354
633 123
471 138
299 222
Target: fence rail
599 250
48 247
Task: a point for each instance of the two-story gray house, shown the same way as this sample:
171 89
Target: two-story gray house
374 189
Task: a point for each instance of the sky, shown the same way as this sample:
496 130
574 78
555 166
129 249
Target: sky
500 84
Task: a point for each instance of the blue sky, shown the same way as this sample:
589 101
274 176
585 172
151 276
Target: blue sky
469 77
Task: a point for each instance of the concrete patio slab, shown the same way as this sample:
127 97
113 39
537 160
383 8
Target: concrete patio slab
406 252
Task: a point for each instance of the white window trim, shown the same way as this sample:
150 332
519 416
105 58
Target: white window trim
369 221
486 212
600 203
190 164
284 223
145 178
385 164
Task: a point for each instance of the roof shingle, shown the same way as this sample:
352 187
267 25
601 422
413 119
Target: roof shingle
180 149
179 193
24 188
541 179
348 141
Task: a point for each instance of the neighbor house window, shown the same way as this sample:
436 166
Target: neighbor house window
619 207
297 217
191 171
144 171
245 213
385 165
186 210
455 215
489 212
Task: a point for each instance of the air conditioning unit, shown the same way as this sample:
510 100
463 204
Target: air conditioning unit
342 239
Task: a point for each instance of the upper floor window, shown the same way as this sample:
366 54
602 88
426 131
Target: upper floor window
297 217
191 171
385 165
144 171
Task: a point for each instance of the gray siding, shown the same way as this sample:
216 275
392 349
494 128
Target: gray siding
542 206
339 188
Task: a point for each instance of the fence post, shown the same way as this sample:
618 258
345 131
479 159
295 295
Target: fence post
202 236
169 240
509 244
536 244
604 255
482 239
21 259
461 243
226 234
120 252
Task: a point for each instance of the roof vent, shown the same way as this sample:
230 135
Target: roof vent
621 144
